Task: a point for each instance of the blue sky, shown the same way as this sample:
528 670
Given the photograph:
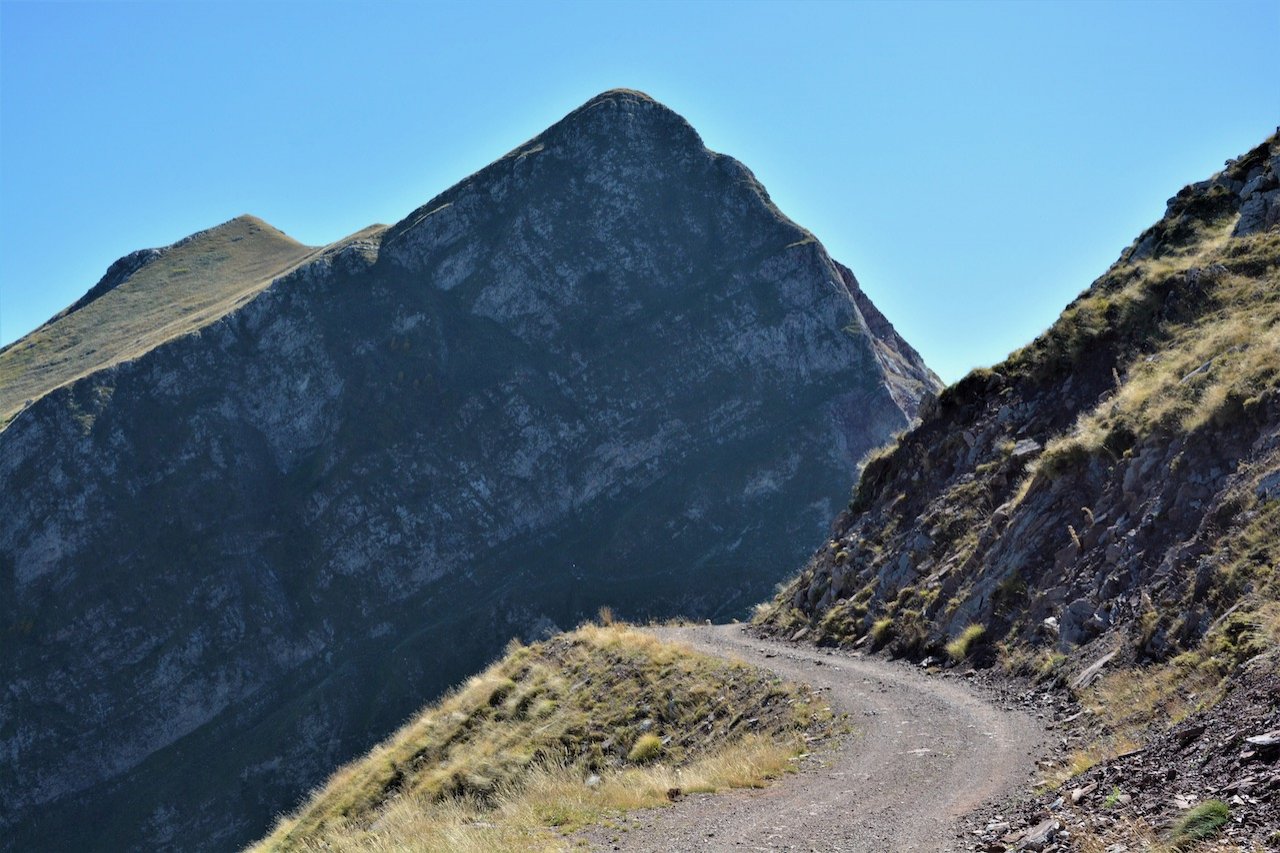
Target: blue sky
975 164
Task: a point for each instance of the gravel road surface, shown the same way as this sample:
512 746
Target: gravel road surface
924 751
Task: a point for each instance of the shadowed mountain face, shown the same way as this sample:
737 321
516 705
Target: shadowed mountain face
605 369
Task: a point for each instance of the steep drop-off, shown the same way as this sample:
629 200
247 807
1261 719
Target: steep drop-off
604 369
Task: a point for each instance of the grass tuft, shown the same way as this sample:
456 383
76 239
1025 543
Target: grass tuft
647 748
1200 823
959 648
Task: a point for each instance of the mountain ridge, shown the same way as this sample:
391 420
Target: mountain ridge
1090 529
143 299
602 372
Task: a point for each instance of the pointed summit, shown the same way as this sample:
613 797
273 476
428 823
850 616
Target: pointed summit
616 104
617 139
603 369
623 116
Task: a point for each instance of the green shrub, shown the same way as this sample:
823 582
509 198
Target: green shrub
1200 823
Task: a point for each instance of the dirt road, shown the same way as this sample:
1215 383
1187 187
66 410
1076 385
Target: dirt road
925 751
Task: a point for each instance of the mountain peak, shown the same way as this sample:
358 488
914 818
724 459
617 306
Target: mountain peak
624 94
615 105
236 228
619 139
559 382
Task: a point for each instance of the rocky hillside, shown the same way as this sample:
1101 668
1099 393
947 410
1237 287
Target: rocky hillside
1103 507
604 369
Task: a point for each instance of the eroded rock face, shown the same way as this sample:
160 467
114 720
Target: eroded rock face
1118 476
603 370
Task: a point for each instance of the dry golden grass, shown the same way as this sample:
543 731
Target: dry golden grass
190 286
1217 360
959 648
1133 832
550 802
503 762
1131 703
1128 701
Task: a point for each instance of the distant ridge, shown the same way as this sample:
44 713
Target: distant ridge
144 299
149 297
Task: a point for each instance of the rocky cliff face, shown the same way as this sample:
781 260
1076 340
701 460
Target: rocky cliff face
1120 474
605 369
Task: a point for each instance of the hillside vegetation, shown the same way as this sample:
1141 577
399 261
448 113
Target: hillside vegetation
1103 508
152 296
145 299
554 736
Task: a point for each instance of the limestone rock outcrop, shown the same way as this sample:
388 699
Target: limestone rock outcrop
603 370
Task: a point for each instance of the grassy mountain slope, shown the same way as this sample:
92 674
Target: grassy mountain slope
1125 447
1103 507
145 299
553 736
152 296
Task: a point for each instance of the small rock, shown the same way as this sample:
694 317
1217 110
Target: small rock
1040 836
1189 735
1080 793
1094 670
1269 487
1026 447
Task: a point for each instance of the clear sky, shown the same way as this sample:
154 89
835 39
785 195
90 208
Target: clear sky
975 164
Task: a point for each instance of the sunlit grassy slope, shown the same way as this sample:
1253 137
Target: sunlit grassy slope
190 284
554 736
1192 369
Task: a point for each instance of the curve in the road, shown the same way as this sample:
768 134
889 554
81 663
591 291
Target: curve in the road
925 752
